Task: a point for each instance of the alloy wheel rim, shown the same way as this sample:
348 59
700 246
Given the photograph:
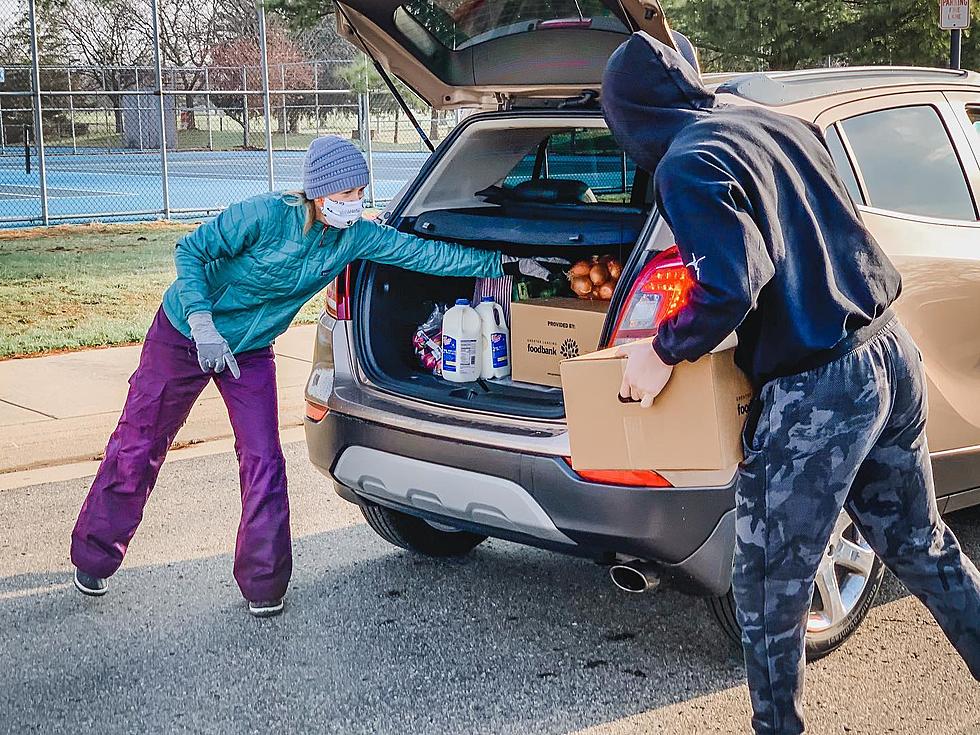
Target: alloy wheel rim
843 575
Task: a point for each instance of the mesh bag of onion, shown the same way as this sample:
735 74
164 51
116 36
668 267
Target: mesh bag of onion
595 277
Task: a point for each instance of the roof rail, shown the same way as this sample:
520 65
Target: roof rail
787 87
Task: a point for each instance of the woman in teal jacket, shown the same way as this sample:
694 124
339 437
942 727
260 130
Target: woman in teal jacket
241 279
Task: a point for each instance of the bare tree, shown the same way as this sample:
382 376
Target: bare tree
188 32
103 35
237 70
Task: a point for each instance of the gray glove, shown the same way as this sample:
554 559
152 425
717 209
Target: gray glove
213 352
532 267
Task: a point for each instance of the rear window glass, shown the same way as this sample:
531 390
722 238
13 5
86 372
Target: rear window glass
908 162
460 23
974 114
589 155
843 164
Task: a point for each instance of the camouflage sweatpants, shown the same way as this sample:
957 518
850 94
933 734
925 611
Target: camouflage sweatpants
848 434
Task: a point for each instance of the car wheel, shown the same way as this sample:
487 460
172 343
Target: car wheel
847 581
415 534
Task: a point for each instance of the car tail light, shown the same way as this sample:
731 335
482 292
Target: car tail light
315 412
338 296
627 478
660 291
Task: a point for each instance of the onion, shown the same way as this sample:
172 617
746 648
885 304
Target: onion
581 268
615 268
582 287
599 274
606 291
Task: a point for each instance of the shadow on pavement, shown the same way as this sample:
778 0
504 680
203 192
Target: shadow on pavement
508 640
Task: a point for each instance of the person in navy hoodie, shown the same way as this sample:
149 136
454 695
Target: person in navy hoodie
779 255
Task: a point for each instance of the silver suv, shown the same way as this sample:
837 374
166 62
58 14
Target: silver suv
438 467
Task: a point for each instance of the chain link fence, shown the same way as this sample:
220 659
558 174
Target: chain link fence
97 141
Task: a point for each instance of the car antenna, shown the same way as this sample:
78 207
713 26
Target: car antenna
387 79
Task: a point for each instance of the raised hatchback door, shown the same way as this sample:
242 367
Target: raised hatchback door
481 53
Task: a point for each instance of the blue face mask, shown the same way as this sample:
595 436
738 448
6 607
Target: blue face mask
341 214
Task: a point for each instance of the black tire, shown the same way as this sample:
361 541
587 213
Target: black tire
414 534
818 643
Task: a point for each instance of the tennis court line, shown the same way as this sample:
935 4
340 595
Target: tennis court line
22 191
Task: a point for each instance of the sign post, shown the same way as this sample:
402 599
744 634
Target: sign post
954 16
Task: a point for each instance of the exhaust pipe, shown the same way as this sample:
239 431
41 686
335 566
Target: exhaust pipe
635 576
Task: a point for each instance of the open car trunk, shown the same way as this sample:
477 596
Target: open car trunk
406 299
528 184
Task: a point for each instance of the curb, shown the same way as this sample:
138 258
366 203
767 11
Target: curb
74 470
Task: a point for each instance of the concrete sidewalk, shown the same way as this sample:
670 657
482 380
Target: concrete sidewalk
61 409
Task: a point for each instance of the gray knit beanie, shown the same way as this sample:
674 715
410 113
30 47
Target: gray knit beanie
332 164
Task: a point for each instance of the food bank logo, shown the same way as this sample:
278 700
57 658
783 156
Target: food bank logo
569 349
542 349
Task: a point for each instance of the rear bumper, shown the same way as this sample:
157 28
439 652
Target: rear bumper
530 498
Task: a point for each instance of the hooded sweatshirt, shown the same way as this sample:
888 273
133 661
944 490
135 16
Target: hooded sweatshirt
764 223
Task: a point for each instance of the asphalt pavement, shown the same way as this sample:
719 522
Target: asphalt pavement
375 640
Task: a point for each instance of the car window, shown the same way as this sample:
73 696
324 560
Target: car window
843 163
974 114
908 162
457 24
589 155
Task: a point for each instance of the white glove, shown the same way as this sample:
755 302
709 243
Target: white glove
529 266
213 352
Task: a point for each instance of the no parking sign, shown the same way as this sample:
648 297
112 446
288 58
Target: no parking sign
954 15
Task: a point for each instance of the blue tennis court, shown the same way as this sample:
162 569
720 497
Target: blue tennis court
110 185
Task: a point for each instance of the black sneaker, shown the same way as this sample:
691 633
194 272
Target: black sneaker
267 608
89 585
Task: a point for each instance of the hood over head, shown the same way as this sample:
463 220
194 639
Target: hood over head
649 94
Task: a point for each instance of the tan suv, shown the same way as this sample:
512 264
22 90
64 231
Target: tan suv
437 467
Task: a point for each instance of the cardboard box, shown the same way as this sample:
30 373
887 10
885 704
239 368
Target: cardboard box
543 332
694 424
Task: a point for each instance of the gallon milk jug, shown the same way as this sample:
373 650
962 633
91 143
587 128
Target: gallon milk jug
496 340
461 348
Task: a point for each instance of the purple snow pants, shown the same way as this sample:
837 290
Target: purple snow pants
161 393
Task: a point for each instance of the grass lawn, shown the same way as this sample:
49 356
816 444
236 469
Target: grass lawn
71 287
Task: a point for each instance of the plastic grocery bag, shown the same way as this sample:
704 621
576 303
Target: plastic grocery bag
427 340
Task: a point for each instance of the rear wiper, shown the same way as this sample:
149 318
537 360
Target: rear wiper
387 80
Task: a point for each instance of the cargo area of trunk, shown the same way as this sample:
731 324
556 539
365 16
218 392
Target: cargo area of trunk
528 184
390 304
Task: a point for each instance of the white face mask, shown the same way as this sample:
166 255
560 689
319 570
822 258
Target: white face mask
341 214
